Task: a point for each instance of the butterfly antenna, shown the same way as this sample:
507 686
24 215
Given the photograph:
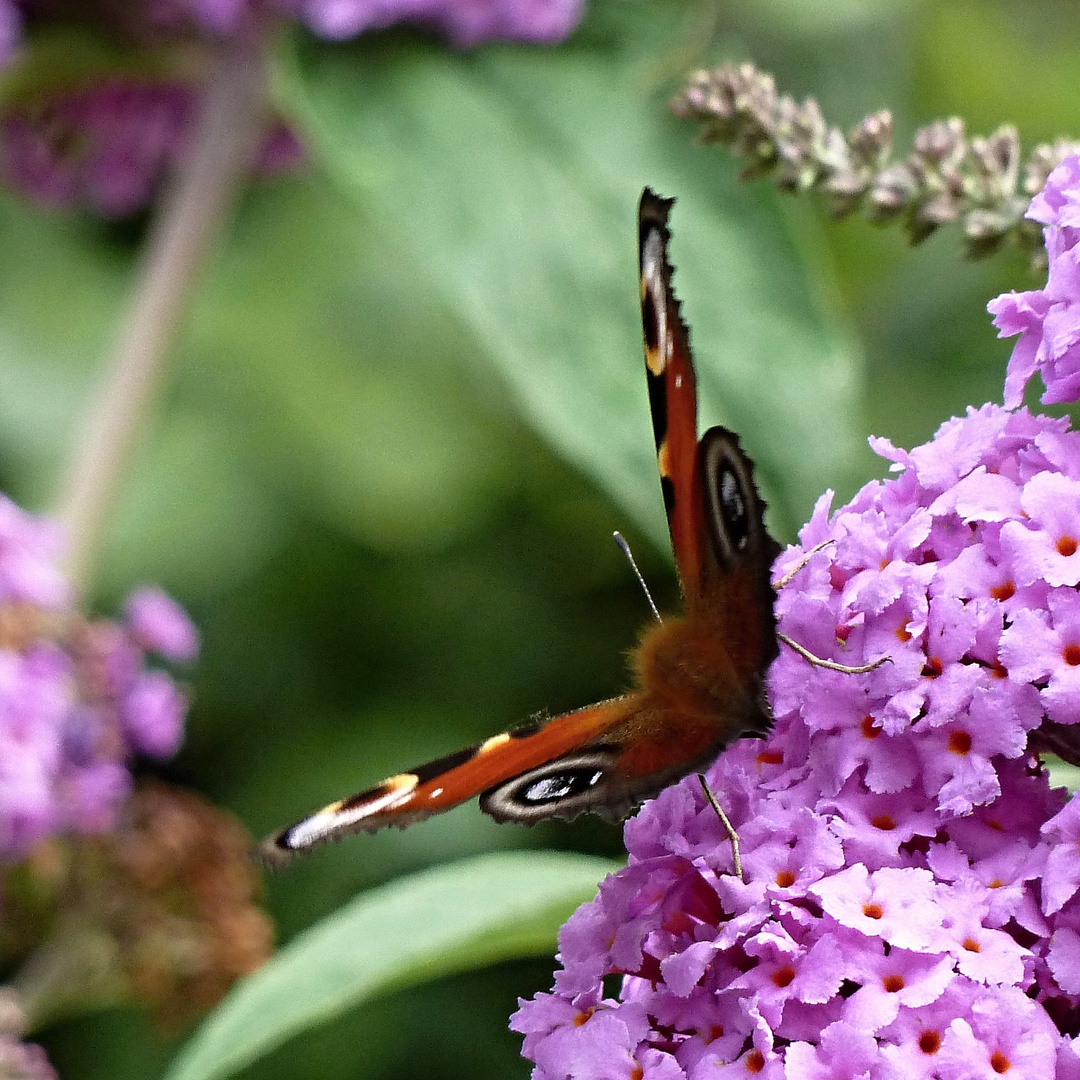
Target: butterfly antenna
624 547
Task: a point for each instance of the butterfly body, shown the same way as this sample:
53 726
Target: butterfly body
697 680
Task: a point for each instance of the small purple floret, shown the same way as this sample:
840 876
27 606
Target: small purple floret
911 896
153 713
75 700
107 143
161 625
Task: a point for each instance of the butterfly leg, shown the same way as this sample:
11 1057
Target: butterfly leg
733 836
832 665
786 579
805 653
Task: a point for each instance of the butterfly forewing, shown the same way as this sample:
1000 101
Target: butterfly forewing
715 514
669 370
446 782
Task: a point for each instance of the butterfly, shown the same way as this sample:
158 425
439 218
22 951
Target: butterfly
698 680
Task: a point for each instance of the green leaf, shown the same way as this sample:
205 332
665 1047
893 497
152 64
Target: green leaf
450 919
511 175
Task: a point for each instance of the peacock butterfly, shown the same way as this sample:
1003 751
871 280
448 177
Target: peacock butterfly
698 679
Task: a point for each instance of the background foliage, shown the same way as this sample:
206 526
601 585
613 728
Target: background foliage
408 411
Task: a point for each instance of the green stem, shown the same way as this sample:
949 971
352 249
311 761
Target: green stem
75 971
191 215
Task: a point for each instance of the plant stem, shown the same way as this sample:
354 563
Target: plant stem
77 970
191 214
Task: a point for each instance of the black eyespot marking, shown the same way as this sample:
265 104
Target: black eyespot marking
558 786
733 507
649 321
562 788
667 487
658 406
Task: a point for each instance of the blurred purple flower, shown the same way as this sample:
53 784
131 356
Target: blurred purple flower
29 549
75 701
911 902
19 1060
106 142
153 713
464 22
23 1061
109 145
10 31
161 625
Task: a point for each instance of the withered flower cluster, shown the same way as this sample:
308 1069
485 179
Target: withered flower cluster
947 176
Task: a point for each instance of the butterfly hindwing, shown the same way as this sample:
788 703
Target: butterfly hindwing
739 549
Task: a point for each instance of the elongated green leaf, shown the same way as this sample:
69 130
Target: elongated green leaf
454 918
512 176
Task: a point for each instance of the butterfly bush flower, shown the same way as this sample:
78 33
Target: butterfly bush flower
1048 320
106 140
108 145
76 701
909 904
464 22
10 26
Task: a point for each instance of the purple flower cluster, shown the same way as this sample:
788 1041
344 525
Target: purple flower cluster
75 699
910 905
106 143
465 23
10 27
1048 320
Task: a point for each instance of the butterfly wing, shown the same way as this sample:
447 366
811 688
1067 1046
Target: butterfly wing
546 769
715 515
723 551
669 370
736 599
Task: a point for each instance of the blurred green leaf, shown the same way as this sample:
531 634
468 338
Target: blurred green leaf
346 379
535 249
451 919
1063 773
